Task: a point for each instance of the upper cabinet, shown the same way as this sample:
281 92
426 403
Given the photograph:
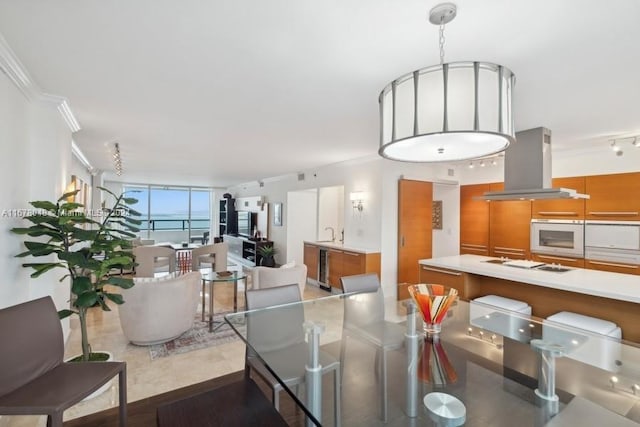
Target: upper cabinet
509 227
613 197
474 220
562 208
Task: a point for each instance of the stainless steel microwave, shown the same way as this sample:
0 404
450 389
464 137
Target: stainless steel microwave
558 237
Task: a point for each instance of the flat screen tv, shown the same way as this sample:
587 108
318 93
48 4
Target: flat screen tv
246 222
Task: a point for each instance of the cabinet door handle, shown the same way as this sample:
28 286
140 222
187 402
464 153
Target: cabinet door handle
350 253
437 270
402 241
500 248
557 257
558 213
469 245
466 248
614 213
613 264
334 251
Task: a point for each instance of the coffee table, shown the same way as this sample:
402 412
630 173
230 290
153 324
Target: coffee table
211 277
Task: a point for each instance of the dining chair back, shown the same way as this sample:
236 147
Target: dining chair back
214 256
34 380
364 320
277 334
150 259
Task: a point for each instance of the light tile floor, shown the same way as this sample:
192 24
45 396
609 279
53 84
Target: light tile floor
146 377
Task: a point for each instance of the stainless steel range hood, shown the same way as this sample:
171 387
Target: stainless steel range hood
527 170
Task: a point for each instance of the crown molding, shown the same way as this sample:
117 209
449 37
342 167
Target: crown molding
18 74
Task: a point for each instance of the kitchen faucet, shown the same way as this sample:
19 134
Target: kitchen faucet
333 233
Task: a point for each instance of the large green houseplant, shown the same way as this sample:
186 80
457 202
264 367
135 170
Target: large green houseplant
88 249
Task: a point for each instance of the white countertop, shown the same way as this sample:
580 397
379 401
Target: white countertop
340 246
624 287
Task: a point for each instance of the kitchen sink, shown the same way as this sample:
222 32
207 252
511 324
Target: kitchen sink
554 268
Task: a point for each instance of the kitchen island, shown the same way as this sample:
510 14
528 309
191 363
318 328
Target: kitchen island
609 296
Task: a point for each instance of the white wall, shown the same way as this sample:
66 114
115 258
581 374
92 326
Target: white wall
35 165
330 212
301 223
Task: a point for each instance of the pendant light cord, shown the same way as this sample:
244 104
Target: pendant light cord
441 40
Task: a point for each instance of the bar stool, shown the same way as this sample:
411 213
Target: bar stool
483 314
604 352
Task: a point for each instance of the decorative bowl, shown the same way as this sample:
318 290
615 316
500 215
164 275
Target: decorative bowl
433 301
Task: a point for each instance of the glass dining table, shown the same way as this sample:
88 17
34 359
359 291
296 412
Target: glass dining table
487 367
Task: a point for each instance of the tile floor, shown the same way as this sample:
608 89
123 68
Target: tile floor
146 377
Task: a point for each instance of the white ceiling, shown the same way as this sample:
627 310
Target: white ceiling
233 91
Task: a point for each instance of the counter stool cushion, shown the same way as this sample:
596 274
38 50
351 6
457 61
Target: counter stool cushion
592 324
483 314
602 352
505 303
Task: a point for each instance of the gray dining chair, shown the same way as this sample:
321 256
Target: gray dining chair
277 334
150 259
34 380
364 320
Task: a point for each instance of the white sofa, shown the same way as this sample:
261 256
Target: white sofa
267 277
160 309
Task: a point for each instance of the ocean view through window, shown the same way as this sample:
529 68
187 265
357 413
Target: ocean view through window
172 214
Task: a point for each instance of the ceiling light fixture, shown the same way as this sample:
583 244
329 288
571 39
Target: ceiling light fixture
447 112
117 160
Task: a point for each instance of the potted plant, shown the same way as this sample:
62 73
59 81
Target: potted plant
87 249
267 253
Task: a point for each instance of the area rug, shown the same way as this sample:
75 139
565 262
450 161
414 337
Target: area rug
196 338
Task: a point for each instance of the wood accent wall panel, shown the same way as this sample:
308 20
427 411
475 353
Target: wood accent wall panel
414 227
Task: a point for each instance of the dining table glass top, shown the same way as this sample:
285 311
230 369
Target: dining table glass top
486 367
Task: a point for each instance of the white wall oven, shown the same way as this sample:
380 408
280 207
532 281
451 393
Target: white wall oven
558 237
617 242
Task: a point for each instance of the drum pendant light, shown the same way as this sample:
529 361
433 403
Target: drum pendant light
447 112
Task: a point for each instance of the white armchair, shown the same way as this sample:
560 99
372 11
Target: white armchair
267 277
160 309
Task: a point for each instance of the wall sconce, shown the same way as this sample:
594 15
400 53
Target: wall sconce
357 198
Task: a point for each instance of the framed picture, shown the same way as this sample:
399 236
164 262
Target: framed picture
277 214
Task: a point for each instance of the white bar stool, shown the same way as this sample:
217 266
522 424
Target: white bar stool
482 309
602 352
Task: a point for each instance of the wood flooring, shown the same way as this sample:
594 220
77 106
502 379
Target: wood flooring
142 413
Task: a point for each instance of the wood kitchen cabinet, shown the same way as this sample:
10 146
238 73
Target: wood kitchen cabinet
562 208
335 260
509 227
441 276
474 220
345 262
555 259
311 260
613 197
613 267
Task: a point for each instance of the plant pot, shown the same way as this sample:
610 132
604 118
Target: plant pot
106 385
268 261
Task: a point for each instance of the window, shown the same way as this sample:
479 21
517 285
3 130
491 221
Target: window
172 214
